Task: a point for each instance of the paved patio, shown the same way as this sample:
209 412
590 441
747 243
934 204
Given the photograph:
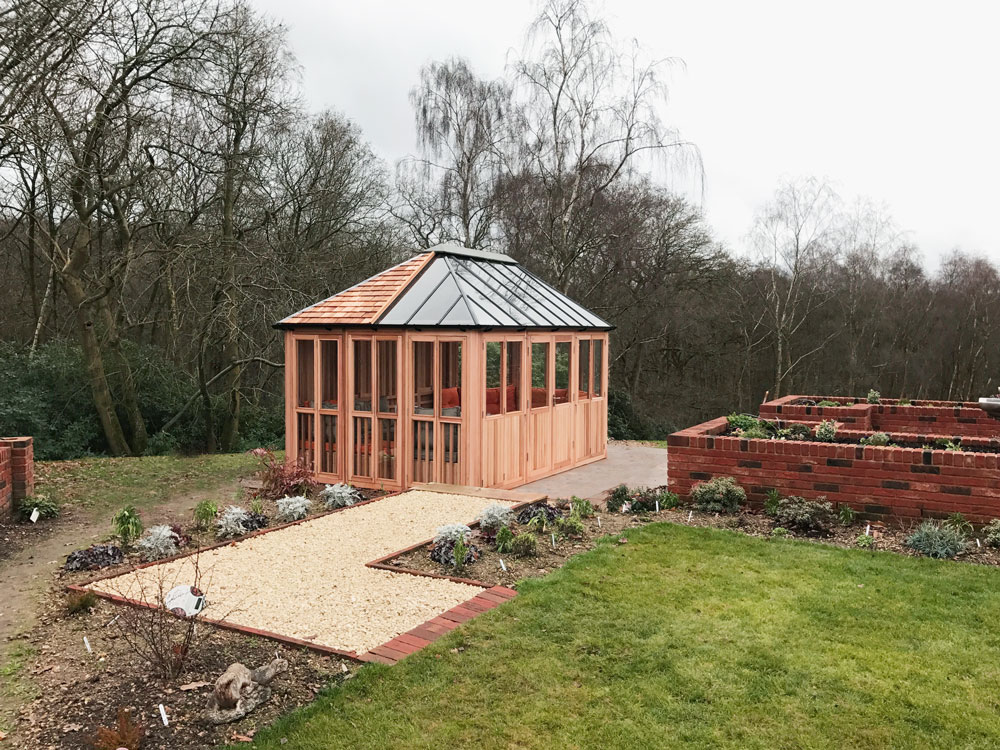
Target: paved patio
627 463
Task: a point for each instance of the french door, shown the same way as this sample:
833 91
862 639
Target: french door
373 408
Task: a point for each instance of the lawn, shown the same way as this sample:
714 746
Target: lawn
693 637
103 483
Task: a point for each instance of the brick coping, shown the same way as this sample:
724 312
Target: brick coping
394 649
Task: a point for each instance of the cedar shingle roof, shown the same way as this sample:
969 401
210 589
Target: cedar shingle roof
452 286
362 303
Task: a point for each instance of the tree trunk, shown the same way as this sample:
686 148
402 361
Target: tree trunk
130 398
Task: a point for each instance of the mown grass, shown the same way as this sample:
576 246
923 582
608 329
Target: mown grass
695 638
15 688
103 483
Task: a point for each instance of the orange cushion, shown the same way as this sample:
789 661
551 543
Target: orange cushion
452 397
562 394
539 397
512 404
492 396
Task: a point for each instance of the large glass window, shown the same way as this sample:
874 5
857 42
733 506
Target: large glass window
423 377
598 366
563 363
387 449
329 374
539 375
306 363
584 384
386 361
494 365
363 375
514 352
451 378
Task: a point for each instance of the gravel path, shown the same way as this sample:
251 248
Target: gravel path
310 582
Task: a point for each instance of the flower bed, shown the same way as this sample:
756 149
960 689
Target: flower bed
878 481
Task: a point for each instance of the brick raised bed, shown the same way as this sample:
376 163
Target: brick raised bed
17 473
876 481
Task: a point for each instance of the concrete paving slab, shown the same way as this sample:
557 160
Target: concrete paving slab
627 463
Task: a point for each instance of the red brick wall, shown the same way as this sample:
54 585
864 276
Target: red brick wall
876 481
17 472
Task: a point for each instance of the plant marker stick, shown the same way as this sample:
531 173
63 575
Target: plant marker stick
35 515
690 513
87 644
113 621
163 715
503 565
553 541
868 529
977 542
657 506
598 522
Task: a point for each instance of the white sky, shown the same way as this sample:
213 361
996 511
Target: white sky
893 99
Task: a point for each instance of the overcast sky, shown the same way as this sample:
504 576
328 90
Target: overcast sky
897 101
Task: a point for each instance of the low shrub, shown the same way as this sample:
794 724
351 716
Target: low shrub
127 525
795 431
94 557
806 516
743 422
874 397
159 542
205 513
948 445
827 402
904 402
876 438
570 525
80 602
645 500
282 478
771 502
257 506
865 542
451 533
583 508
27 505
617 498
232 523
504 540
846 514
936 540
452 548
958 522
524 544
493 518
991 533
719 495
255 521
293 508
126 734
339 495
542 510
779 532
826 431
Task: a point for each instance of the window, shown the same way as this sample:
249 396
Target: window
329 374
451 378
306 386
386 352
513 393
423 378
539 375
564 357
584 384
494 365
387 449
363 375
598 366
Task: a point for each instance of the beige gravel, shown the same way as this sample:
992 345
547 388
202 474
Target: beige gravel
309 581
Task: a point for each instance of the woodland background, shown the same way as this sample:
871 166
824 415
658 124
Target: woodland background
165 196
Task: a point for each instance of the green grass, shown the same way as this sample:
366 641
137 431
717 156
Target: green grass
15 688
700 638
103 483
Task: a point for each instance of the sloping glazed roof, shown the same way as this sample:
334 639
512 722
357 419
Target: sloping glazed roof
451 286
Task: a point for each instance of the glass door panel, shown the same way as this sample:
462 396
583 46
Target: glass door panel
362 375
564 356
306 386
329 374
423 378
362 446
387 375
387 449
423 450
305 439
451 379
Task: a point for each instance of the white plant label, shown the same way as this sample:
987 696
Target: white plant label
598 522
35 515
503 565
163 715
553 541
690 513
868 529
657 506
87 644
977 542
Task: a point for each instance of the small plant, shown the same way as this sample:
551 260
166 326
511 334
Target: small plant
451 533
991 533
936 540
544 510
504 540
719 495
958 522
257 506
846 514
796 431
293 508
493 518
46 508
754 433
771 502
876 438
281 478
828 402
127 525
779 532
254 522
160 541
617 498
874 397
339 495
452 548
205 513
865 542
806 516
126 734
94 557
904 402
537 524
231 523
948 445
571 525
826 431
525 544
582 508
743 422
458 553
80 602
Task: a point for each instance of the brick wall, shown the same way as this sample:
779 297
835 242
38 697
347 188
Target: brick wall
876 481
17 472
